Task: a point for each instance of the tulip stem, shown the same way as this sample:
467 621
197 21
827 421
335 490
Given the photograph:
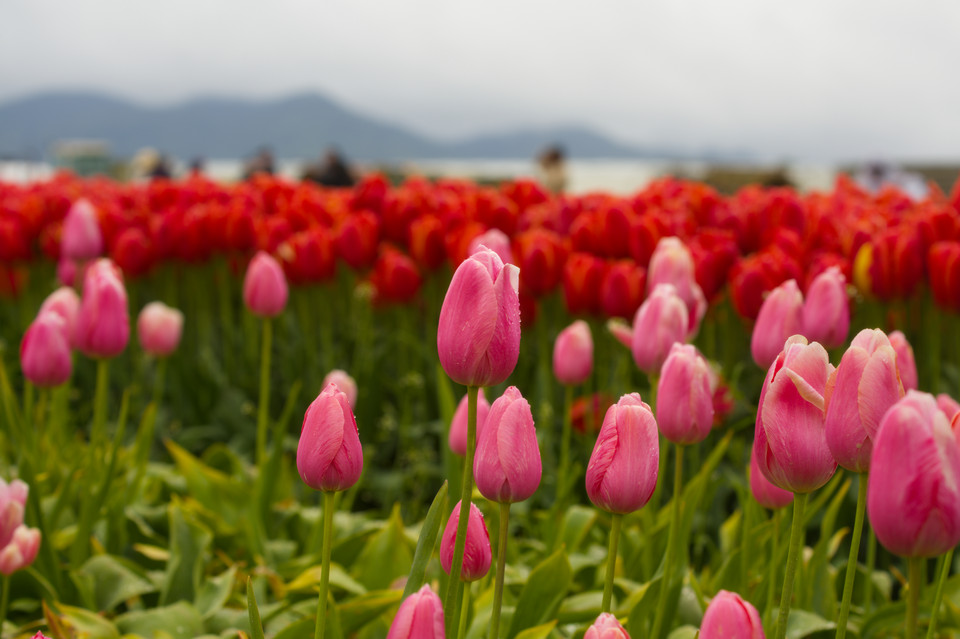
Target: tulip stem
938 596
668 566
501 566
796 543
4 601
772 578
328 508
263 413
159 379
564 469
464 611
616 519
98 431
913 595
451 609
852 560
871 562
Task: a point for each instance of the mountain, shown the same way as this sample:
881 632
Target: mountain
299 126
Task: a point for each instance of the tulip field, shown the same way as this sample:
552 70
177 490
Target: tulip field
447 410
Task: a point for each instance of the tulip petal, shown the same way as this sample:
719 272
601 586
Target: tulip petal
468 320
318 449
880 388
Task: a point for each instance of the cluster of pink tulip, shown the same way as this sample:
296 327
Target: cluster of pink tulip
18 543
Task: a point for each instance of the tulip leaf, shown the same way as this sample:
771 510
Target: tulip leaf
189 544
253 612
215 592
338 579
542 594
885 621
577 522
426 542
805 624
538 632
225 495
87 624
581 608
179 621
385 556
113 580
684 632
359 611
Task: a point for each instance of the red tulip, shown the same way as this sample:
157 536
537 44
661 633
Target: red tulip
583 275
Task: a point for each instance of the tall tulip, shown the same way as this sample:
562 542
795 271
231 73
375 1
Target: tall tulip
780 317
159 328
826 310
81 238
730 617
66 303
672 263
103 322
45 351
572 365
660 322
419 617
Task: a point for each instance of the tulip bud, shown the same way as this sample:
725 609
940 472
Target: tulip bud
621 331
948 405
573 354
458 427
329 456
345 383
67 272
81 238
858 393
265 286
478 337
495 240
730 617
13 500
20 551
906 363
507 464
790 437
684 396
672 263
913 495
419 617
606 627
766 494
45 351
66 303
826 311
622 471
476 553
159 328
660 322
40 635
780 317
103 323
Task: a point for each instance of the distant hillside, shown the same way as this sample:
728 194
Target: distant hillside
300 126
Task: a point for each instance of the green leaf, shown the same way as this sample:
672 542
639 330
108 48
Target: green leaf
88 624
804 624
215 592
577 522
359 611
338 579
385 556
113 580
581 608
538 632
542 594
684 632
227 496
179 621
885 621
253 612
641 605
189 545
426 542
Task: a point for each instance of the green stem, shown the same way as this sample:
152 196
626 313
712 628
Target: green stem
564 468
466 499
772 577
796 543
325 570
668 567
871 562
501 565
4 601
263 414
159 379
852 560
938 596
616 520
464 611
913 595
98 432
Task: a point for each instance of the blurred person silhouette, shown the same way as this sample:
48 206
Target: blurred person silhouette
160 168
553 172
333 171
197 166
262 162
874 176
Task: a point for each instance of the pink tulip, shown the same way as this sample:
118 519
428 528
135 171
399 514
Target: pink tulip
684 396
495 240
103 323
344 382
622 471
265 286
606 627
67 272
159 328
906 363
766 494
858 393
621 331
66 303
476 554
20 551
81 238
419 617
780 317
826 310
458 427
573 354
660 322
672 263
913 495
40 635
730 617
13 501
948 405
478 337
507 464
790 437
329 456
45 351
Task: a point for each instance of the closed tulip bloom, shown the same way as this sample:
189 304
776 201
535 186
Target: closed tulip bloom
573 354
672 263
419 617
730 617
780 317
906 363
606 627
265 286
766 494
476 554
67 272
495 240
507 464
948 405
13 501
458 427
159 328
345 383
478 337
826 310
685 396
103 323
45 351
622 471
81 238
329 456
660 322
66 303
20 551
913 496
858 394
790 437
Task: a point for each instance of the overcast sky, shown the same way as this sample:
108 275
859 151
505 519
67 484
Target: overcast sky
817 79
